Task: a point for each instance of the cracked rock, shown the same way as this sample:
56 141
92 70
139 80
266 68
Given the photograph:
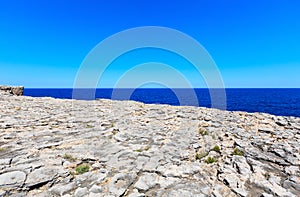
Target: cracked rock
12 179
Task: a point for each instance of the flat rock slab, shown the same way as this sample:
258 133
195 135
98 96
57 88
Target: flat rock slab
40 176
12 179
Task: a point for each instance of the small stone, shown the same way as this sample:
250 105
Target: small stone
80 192
288 184
266 195
241 164
266 129
92 194
120 183
61 189
96 166
2 193
279 152
281 122
231 180
5 161
67 195
146 182
96 189
241 191
291 170
135 193
68 164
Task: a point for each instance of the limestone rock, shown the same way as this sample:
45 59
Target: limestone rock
13 90
40 176
57 147
12 179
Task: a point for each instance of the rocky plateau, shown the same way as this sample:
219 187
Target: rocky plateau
55 147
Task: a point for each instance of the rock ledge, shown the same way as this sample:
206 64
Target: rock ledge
15 90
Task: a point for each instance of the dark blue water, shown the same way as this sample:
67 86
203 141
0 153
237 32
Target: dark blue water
284 102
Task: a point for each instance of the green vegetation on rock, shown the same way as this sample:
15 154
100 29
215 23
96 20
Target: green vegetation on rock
69 157
216 148
199 156
236 151
203 131
83 168
210 160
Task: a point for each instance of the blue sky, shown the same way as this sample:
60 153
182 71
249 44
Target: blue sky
253 43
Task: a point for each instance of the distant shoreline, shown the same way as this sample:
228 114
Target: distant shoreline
276 101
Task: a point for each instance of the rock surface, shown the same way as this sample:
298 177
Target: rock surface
12 90
55 147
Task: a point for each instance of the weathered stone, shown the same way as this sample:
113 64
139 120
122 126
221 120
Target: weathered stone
13 90
266 129
120 182
135 193
96 189
61 189
146 181
292 170
232 181
40 176
5 161
80 192
2 193
292 183
17 91
12 179
266 195
241 164
241 191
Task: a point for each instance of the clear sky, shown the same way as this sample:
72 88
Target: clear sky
254 43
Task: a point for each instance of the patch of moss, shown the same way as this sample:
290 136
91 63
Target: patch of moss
216 149
69 157
139 150
236 151
210 160
199 156
72 173
213 136
83 168
202 131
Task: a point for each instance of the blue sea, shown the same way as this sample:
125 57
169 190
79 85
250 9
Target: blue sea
284 102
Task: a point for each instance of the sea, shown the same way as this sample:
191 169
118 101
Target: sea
277 101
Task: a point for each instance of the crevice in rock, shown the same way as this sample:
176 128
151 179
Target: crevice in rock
250 165
130 187
38 185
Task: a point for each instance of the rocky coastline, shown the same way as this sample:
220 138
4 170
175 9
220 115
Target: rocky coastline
56 147
15 90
